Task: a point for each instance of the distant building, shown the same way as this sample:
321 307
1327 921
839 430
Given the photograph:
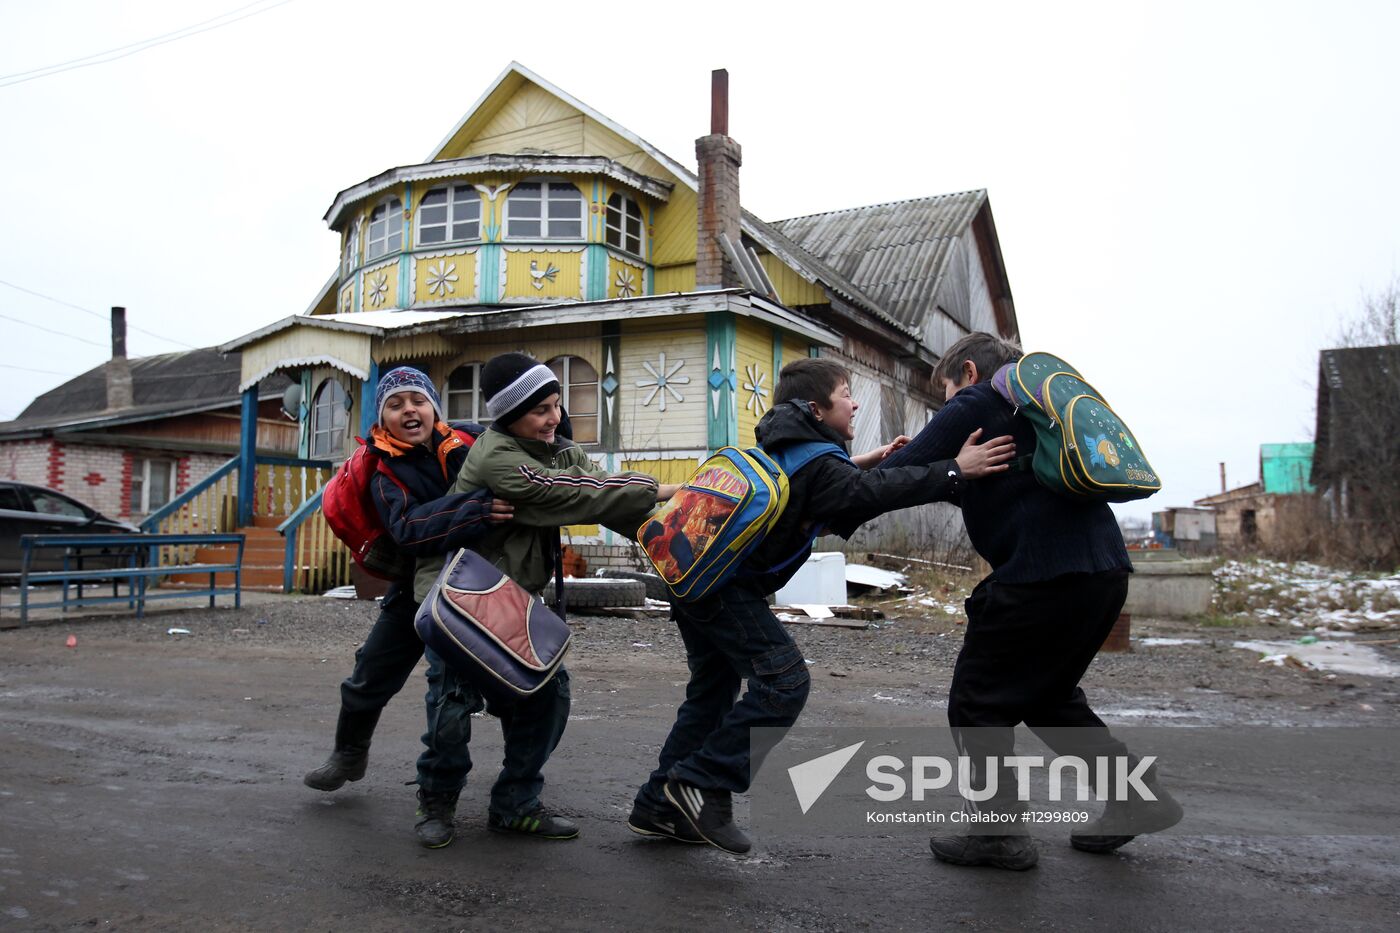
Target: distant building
1266 515
1188 530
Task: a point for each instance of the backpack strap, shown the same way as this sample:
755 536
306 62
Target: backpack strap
793 458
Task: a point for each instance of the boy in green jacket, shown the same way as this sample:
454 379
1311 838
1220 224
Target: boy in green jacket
550 482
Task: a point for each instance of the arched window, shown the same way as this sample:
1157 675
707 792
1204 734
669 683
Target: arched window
464 401
385 229
544 210
624 224
449 214
352 249
330 415
578 382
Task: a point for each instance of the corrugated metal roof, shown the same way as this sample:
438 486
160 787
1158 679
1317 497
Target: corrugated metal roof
896 253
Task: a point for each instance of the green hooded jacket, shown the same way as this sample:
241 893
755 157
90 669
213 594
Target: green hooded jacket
550 484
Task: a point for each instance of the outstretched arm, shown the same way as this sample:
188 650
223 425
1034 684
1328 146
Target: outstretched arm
441 525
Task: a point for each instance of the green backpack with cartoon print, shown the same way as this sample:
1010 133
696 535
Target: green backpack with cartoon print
1083 449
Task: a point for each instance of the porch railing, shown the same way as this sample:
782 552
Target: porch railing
314 559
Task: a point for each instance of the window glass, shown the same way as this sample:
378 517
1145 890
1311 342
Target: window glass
47 503
385 229
554 210
9 499
452 213
578 382
623 224
329 419
464 402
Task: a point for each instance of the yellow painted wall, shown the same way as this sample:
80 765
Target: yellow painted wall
626 279
795 348
675 279
674 239
460 285
792 288
567 283
754 359
667 471
347 299
416 347
682 424
379 287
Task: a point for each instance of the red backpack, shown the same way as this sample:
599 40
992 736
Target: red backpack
348 503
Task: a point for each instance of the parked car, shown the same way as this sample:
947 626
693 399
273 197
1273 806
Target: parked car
34 510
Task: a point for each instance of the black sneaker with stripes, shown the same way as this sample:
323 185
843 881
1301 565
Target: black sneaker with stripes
539 823
711 813
665 821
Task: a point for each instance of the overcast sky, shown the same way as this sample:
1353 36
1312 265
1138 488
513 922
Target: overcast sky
1189 196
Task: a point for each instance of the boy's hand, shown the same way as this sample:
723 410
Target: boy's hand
975 460
501 511
872 458
664 491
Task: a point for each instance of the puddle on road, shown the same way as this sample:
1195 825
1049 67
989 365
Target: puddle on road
1340 657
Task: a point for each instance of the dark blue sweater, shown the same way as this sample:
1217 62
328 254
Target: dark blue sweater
1025 531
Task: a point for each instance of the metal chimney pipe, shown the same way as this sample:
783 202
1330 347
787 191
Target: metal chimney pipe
118 332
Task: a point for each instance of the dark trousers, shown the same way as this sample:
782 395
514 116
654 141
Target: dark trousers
729 636
382 666
1026 648
531 728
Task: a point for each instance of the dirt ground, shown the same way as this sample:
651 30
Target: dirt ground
151 781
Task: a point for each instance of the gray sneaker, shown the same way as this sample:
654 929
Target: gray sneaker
435 813
1016 853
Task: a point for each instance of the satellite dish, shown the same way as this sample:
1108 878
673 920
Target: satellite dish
291 402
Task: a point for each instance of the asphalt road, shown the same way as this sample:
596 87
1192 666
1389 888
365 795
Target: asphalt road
153 782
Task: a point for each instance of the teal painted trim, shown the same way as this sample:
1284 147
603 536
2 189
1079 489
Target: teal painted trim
247 456
304 416
597 258
288 529
405 264
595 219
611 434
777 363
367 390
722 427
814 351
490 258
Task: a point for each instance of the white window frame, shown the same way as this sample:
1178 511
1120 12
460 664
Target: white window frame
544 219
621 228
566 394
336 439
452 205
392 240
478 405
141 473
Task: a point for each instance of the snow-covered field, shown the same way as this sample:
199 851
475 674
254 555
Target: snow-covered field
1309 596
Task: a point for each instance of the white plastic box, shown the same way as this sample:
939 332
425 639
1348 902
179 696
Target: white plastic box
821 581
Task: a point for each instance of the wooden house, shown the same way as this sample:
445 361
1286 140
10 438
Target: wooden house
540 225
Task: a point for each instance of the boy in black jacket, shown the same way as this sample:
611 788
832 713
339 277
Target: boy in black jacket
1059 578
425 455
731 633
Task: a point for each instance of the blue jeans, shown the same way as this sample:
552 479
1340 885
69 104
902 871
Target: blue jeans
531 726
729 636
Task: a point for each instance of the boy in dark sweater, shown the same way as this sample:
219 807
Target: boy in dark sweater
1059 578
731 634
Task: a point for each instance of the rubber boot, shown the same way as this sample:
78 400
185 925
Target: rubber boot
353 732
1124 820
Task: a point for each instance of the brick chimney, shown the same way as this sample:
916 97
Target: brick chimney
119 393
718 212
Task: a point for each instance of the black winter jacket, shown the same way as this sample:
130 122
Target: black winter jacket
425 520
831 491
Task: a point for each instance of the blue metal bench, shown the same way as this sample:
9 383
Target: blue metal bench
136 563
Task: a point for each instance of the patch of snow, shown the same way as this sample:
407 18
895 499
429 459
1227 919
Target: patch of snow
1342 657
1153 642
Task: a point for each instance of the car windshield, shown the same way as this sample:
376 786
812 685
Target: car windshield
50 504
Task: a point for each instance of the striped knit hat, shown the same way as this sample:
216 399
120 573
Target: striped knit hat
404 379
514 383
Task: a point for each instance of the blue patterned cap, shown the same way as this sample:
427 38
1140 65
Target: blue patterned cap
404 379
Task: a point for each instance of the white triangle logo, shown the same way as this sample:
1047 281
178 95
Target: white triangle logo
811 778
